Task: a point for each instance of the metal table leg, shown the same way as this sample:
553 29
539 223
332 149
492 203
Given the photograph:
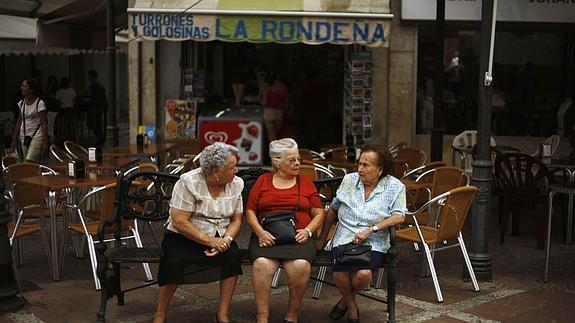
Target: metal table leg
54 236
548 238
569 231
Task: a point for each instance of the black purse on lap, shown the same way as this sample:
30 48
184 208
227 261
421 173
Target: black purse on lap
282 224
353 254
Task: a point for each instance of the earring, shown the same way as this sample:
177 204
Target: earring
217 179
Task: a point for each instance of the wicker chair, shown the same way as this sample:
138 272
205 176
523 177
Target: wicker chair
59 154
454 207
417 196
413 157
9 160
443 179
181 165
76 150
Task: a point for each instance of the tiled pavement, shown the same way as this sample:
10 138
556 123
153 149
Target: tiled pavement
517 293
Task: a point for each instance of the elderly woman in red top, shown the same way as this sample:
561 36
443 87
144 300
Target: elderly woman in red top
275 192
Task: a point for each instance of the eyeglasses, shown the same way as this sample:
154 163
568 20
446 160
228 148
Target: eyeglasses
293 160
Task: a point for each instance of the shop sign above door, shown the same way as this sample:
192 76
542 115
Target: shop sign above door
292 24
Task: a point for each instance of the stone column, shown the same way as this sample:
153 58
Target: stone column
142 84
401 79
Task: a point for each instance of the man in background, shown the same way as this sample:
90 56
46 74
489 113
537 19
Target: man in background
97 106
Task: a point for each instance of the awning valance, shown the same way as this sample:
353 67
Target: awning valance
286 21
13 27
51 51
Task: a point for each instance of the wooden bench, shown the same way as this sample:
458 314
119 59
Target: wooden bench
150 203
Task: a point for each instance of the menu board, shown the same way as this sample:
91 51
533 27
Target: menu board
180 119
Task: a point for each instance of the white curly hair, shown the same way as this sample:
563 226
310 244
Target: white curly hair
279 147
214 156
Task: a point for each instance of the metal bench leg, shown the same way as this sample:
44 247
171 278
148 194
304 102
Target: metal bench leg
276 278
379 279
319 282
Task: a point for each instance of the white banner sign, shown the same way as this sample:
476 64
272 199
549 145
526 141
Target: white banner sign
558 11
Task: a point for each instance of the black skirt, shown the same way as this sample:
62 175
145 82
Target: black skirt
292 251
376 261
184 262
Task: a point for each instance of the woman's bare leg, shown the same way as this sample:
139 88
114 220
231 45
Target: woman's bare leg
227 287
297 272
166 293
263 272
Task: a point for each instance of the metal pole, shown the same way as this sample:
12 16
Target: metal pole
8 300
437 131
112 124
482 166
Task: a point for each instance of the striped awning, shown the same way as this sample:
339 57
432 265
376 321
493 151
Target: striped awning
365 22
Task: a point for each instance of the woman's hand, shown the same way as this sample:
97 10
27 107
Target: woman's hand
361 236
218 245
266 239
301 236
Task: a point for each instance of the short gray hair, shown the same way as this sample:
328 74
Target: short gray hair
214 156
279 147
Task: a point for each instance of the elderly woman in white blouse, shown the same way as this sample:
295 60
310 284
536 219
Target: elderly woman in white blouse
205 217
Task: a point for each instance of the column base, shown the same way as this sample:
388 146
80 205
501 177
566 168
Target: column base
481 266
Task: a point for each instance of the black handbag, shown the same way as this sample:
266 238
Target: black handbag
282 224
353 254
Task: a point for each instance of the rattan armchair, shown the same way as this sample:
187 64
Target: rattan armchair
454 207
76 150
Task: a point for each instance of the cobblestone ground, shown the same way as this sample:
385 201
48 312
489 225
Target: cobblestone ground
516 294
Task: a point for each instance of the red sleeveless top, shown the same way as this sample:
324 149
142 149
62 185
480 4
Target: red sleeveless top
276 100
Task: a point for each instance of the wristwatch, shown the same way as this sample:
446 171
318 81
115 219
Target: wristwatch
374 229
308 232
229 238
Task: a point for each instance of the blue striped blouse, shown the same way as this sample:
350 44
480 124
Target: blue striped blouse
356 214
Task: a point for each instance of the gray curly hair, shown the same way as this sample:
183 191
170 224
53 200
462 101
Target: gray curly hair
279 147
214 156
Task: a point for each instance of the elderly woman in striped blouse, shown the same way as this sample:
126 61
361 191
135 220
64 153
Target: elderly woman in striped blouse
205 216
366 203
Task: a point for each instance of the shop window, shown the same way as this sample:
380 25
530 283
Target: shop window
530 82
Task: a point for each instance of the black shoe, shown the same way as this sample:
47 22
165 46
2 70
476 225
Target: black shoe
337 313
